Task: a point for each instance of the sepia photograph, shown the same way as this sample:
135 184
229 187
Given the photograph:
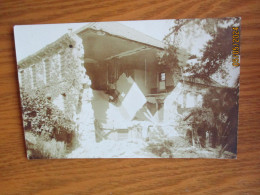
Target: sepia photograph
130 89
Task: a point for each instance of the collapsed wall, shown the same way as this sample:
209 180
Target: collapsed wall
57 71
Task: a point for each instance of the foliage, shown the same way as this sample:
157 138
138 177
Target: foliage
40 115
219 116
44 147
214 53
200 120
169 57
169 61
225 109
47 123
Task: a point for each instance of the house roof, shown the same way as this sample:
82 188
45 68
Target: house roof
112 28
122 31
46 50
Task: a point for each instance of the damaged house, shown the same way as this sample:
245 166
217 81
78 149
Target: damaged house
122 64
106 77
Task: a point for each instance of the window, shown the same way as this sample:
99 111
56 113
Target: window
47 71
162 76
162 83
34 82
22 78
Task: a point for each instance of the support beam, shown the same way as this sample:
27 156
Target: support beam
128 53
90 60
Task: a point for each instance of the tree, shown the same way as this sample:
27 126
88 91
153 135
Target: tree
215 53
224 105
219 112
216 50
201 121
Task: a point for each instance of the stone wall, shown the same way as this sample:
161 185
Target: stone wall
58 72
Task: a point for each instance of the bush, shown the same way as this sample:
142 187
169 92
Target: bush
53 131
43 147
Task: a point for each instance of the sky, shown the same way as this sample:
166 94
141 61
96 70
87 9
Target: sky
31 38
